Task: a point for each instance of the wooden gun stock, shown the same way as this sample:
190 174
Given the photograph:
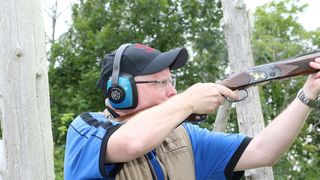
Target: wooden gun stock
291 67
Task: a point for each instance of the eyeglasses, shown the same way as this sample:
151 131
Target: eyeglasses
163 83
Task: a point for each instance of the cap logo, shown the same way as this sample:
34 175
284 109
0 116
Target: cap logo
146 48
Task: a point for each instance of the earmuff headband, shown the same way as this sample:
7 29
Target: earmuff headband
116 64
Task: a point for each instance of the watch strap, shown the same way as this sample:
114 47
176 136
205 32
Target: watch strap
313 103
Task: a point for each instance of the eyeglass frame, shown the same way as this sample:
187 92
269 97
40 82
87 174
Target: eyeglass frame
163 83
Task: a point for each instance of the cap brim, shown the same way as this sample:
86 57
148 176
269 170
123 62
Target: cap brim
173 59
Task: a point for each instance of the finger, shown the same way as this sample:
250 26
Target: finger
315 65
316 75
317 60
220 100
227 92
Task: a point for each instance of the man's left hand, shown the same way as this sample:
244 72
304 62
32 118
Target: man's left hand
312 87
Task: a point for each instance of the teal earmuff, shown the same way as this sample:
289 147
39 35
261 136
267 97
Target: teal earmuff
121 88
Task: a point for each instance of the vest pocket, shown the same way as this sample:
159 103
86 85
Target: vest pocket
173 144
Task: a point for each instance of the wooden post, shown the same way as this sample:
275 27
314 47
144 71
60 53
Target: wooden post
24 92
223 115
236 27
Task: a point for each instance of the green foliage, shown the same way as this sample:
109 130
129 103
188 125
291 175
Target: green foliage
315 37
62 130
58 161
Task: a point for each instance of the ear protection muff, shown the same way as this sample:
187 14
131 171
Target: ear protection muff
121 88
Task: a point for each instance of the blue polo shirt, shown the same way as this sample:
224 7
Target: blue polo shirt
215 154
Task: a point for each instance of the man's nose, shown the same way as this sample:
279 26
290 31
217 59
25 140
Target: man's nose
171 91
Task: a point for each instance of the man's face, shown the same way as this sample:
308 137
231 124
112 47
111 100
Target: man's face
151 94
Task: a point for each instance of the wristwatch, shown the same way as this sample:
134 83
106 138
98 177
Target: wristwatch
313 103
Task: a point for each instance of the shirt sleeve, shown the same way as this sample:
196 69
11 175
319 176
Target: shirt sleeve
85 152
216 154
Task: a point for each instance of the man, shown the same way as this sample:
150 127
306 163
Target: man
142 133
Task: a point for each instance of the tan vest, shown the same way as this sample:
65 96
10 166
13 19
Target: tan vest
175 155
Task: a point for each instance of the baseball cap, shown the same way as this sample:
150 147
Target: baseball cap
139 59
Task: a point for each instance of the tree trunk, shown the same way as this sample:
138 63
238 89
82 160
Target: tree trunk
24 92
237 33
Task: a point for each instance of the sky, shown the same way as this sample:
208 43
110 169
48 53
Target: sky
309 19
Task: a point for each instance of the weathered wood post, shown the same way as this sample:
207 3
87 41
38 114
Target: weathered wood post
24 93
237 30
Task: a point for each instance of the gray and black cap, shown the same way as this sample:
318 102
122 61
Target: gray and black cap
139 59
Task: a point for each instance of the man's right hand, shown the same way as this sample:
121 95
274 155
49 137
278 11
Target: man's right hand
205 97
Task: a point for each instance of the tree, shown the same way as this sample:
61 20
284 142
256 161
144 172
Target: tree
24 92
54 13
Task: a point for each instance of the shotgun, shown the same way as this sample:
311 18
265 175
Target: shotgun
291 67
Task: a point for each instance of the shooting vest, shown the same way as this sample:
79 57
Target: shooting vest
175 156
